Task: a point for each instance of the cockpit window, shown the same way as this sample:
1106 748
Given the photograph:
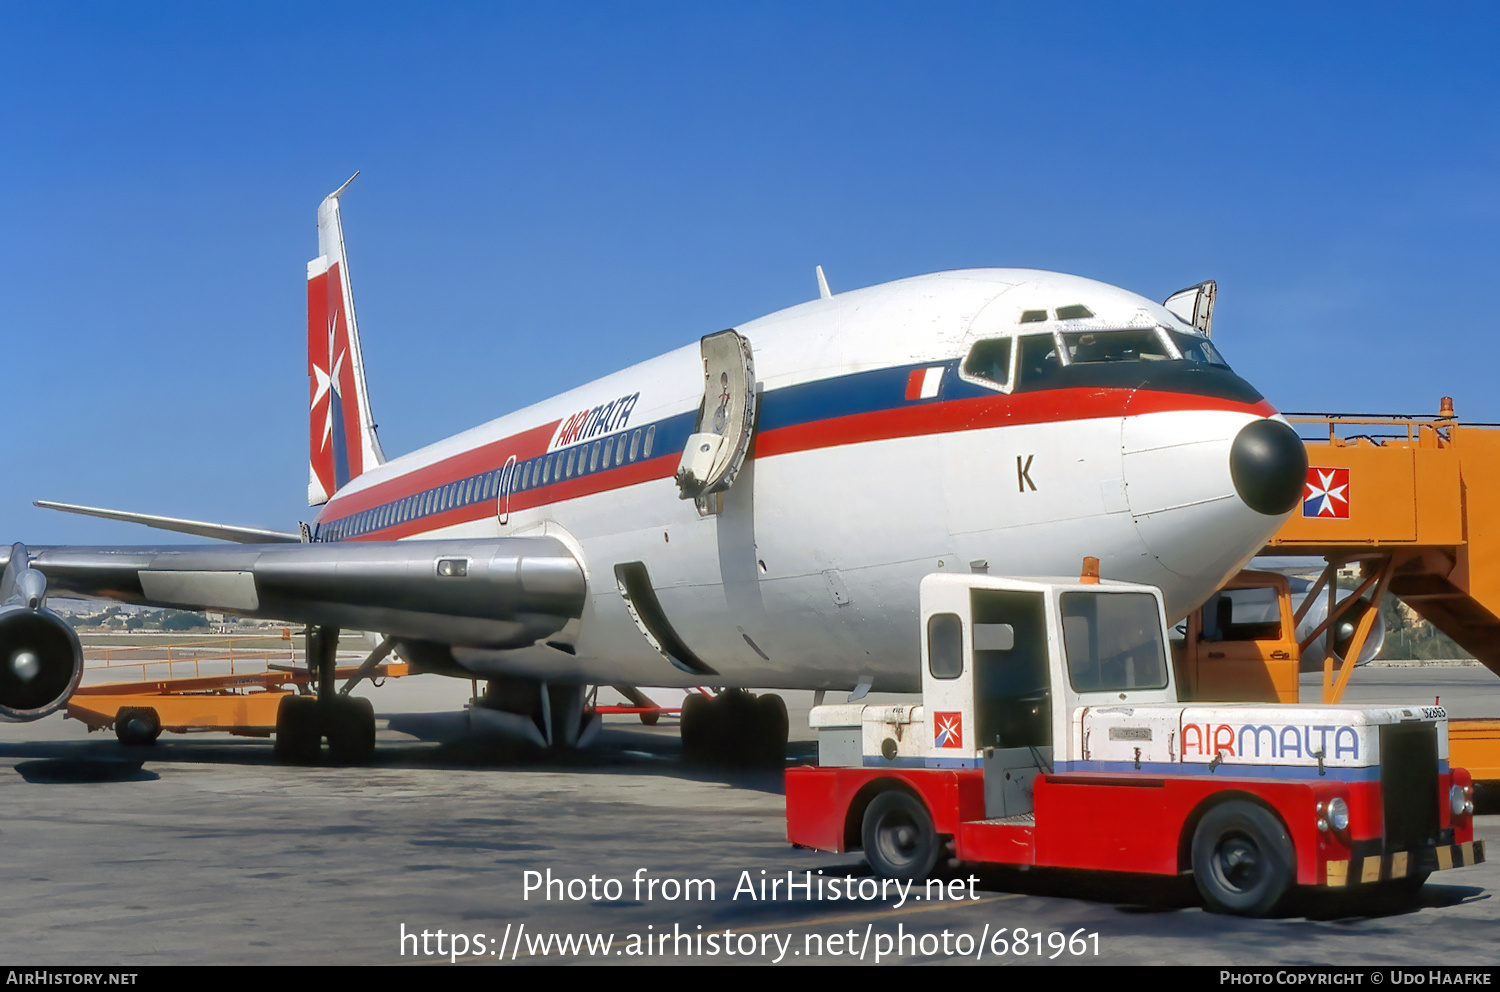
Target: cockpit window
1196 349
990 360
1126 345
1073 312
1037 359
1033 316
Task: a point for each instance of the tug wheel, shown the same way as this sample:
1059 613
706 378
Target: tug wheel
898 836
1243 860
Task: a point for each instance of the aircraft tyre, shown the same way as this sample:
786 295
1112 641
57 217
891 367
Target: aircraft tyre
1243 860
697 727
898 836
735 728
299 730
771 729
135 725
350 726
736 741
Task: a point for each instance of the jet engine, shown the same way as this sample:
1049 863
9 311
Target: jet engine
41 660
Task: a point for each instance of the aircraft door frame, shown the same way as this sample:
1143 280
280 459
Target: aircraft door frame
507 486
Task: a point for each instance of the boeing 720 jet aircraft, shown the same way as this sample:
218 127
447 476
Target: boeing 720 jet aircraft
754 510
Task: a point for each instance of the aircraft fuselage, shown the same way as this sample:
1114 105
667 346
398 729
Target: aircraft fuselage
883 450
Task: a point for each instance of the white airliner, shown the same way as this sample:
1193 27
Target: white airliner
753 510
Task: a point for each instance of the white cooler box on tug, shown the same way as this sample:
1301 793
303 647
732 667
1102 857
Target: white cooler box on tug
1050 734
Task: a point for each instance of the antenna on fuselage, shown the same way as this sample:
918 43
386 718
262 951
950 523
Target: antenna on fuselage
823 292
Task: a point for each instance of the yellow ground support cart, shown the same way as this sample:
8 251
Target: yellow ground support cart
1414 504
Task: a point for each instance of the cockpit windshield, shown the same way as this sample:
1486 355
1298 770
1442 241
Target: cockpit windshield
990 360
1132 344
1039 362
1196 349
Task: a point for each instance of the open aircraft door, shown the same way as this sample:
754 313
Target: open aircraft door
1195 305
717 447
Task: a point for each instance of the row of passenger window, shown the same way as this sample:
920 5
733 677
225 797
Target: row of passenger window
535 472
586 458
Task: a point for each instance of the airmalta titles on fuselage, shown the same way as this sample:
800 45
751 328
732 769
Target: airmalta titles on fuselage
595 421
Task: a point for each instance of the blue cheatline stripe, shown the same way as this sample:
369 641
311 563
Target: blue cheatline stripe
822 399
1370 773
804 403
877 761
843 396
671 434
789 406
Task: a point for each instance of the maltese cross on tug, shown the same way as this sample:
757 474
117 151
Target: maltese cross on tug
753 511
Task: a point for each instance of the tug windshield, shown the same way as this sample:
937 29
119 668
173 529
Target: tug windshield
1113 641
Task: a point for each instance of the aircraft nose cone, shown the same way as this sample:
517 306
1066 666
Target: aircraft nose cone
1268 463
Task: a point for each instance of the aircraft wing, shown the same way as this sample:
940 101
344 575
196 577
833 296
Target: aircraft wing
496 593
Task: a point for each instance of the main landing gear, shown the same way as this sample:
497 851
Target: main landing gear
347 721
735 728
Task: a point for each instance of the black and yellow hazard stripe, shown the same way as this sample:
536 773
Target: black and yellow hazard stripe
1398 864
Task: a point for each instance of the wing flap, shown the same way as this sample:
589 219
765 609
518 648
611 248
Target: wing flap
213 590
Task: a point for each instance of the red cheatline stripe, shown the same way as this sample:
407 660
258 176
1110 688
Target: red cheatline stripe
555 492
1046 406
486 458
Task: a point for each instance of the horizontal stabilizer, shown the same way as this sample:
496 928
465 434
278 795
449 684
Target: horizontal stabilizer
198 528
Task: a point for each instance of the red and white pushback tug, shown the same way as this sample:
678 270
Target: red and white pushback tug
1051 734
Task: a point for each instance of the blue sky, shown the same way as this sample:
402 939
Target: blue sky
549 192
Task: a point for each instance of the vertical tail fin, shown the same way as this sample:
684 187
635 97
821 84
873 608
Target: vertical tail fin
341 433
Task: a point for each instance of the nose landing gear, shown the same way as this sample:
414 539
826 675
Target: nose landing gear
735 728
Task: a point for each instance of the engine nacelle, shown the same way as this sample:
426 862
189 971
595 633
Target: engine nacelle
41 662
